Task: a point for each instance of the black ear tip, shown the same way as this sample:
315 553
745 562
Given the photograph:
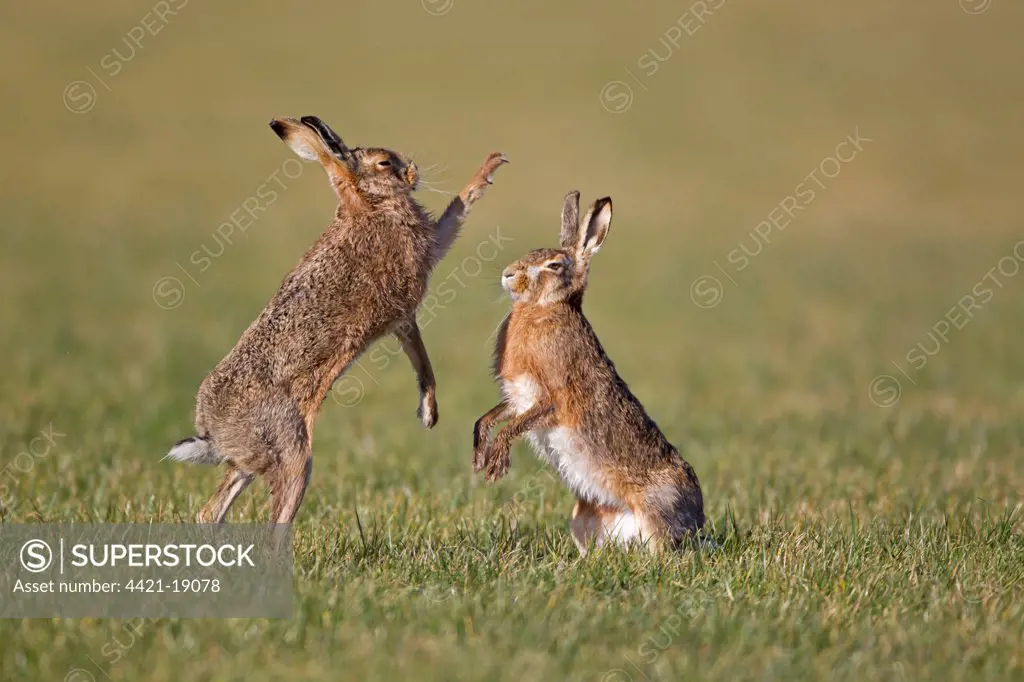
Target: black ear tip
606 201
277 126
312 121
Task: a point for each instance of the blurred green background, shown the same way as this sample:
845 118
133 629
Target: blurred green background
132 132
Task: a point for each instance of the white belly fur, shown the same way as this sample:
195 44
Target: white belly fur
562 448
624 528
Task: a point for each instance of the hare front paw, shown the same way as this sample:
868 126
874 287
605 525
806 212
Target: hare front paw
481 444
494 161
485 176
497 463
479 457
427 411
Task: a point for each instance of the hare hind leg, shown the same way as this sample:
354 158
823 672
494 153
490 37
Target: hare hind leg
234 483
288 485
585 526
292 452
676 508
271 441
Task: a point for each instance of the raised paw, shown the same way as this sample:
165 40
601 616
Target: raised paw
486 173
427 411
497 464
479 458
480 446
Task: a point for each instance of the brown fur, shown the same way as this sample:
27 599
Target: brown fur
362 279
547 338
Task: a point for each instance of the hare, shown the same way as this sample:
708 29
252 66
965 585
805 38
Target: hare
363 278
562 391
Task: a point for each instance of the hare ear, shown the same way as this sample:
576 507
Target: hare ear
313 140
593 231
327 136
299 138
570 220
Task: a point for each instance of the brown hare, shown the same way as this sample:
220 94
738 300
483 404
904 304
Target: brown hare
562 391
363 278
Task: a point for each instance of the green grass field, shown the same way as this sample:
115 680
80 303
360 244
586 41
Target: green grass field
855 421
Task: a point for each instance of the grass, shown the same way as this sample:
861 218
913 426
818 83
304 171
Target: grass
856 540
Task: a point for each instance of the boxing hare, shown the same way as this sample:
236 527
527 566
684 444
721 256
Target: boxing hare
363 278
562 391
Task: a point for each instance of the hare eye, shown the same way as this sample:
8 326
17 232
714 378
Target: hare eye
384 164
555 265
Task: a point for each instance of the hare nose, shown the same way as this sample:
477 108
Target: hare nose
508 274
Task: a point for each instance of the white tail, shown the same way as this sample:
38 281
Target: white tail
194 450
